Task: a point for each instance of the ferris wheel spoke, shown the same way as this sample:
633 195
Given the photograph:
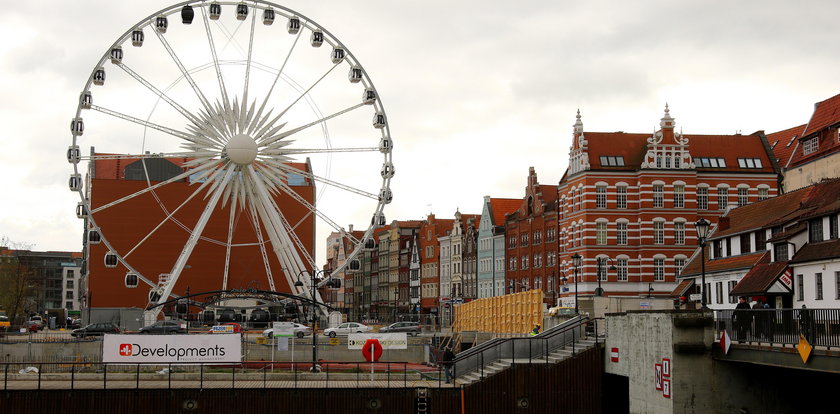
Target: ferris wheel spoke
287 169
228 246
176 178
187 114
204 102
278 182
256 223
161 128
186 252
247 72
215 55
166 219
268 141
276 78
291 151
314 84
187 154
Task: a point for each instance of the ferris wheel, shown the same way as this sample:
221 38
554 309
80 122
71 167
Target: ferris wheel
238 135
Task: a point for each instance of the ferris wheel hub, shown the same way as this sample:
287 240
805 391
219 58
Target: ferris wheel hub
241 149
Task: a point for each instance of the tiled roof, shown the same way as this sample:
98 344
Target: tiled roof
549 193
826 113
633 146
784 143
744 261
817 251
501 206
759 279
682 287
759 214
789 232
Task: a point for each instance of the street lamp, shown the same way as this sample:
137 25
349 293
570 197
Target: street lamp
396 301
702 227
576 260
600 291
312 276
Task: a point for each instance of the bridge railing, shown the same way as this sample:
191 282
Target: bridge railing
249 374
820 327
531 348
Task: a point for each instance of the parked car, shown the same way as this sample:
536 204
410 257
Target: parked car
412 328
216 329
300 331
75 324
346 329
35 323
165 327
95 329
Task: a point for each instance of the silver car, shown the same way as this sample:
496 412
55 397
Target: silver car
300 331
346 329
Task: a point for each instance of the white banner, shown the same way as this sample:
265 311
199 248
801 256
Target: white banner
387 340
283 329
131 349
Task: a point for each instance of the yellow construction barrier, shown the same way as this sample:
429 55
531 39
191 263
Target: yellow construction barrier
516 313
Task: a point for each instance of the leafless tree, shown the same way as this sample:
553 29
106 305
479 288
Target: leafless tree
17 279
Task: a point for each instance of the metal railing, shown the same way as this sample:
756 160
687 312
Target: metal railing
249 374
820 327
534 348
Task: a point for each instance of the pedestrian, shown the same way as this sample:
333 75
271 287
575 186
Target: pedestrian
741 318
806 324
448 361
535 331
759 319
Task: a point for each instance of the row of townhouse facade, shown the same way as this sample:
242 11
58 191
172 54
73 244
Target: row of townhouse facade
627 205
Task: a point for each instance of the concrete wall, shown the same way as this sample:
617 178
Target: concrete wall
597 307
699 382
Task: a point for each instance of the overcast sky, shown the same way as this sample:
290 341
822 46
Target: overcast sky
475 91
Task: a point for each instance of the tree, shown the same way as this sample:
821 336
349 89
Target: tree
17 279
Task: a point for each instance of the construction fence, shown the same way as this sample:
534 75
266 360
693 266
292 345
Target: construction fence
516 313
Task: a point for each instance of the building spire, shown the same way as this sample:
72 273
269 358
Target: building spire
667 121
578 123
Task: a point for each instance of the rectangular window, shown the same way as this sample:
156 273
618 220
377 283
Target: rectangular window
69 295
815 230
658 232
524 262
524 240
717 245
800 287
732 284
749 162
601 234
612 161
832 226
68 305
621 264
760 240
658 196
679 196
817 284
512 264
781 252
601 268
621 197
763 194
550 234
745 243
811 145
722 198
537 260
69 284
719 292
621 233
679 233
703 162
601 196
702 198
679 264
658 270
743 197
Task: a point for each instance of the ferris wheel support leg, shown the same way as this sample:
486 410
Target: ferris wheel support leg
188 248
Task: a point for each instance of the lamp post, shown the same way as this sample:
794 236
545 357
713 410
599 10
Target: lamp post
600 260
396 302
576 259
702 227
312 276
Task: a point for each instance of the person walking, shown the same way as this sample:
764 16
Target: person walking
741 318
448 361
758 318
535 331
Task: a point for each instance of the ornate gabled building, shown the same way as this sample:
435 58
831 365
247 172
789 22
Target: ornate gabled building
628 202
491 245
452 261
430 292
531 232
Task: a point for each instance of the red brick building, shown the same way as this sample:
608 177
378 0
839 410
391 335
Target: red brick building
126 224
531 232
630 200
430 230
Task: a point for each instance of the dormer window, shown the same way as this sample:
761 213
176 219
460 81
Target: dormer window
749 162
810 145
815 230
612 161
705 162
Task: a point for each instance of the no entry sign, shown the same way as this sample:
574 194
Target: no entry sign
372 350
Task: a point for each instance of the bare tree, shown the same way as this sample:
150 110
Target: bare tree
17 279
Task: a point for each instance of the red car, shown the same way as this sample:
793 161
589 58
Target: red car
223 328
